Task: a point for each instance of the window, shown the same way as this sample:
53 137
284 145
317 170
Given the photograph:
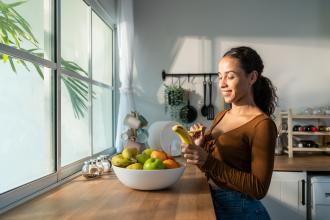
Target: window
27 150
102 50
75 47
102 120
37 26
52 119
74 130
75 33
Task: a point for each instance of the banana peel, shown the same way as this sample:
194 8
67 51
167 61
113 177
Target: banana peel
182 133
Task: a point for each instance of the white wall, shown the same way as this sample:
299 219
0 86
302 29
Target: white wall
191 35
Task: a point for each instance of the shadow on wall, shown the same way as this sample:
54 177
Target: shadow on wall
191 36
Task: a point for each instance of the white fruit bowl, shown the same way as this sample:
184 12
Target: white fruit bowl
148 179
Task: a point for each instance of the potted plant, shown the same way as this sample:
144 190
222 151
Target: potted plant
174 100
173 95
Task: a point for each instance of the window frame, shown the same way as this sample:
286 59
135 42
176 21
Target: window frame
30 190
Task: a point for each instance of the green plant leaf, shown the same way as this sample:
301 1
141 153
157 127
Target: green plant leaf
71 66
12 64
24 64
77 101
81 92
39 70
4 58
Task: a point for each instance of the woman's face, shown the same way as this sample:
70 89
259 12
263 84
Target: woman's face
234 83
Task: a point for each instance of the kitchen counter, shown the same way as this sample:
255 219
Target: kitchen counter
303 162
107 198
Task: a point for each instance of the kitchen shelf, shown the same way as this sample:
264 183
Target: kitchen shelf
311 133
290 118
308 116
317 149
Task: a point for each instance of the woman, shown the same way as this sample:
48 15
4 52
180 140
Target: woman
237 152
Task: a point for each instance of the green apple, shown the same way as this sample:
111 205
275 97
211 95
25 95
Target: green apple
141 158
135 166
148 151
129 153
153 164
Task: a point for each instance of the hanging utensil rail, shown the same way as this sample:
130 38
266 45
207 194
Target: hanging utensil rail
165 74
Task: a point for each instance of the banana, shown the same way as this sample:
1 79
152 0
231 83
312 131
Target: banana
120 161
182 133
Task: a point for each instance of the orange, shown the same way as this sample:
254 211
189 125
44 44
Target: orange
170 164
159 155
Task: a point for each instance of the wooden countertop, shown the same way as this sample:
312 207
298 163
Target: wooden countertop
302 162
107 198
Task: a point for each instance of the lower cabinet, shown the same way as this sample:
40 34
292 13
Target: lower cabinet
287 196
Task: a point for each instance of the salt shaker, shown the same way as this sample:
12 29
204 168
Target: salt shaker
99 165
93 170
106 163
85 169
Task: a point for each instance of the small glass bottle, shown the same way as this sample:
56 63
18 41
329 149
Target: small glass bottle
93 169
85 169
106 163
99 165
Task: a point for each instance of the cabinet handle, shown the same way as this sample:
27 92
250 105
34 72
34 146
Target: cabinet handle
303 185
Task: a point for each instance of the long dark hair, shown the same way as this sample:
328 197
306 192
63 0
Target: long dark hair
264 93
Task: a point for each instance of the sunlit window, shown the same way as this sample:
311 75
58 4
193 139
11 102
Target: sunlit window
52 119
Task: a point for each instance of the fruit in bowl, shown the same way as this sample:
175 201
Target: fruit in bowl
153 171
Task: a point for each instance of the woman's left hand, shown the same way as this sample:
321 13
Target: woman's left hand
194 154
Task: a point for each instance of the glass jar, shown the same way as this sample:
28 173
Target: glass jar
93 169
99 165
106 163
85 169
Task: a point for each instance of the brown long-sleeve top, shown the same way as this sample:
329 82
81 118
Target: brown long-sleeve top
242 159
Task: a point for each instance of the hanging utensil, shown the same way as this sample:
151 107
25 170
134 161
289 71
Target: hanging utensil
210 107
188 113
204 109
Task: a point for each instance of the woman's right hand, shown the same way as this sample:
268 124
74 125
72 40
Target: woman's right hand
198 131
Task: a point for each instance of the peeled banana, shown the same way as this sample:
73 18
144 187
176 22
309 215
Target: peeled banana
182 133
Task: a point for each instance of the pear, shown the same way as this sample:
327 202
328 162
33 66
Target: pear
129 153
135 166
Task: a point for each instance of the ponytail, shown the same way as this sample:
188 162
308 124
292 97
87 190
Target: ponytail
264 94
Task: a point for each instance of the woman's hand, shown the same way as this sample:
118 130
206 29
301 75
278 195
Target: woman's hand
198 131
194 153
